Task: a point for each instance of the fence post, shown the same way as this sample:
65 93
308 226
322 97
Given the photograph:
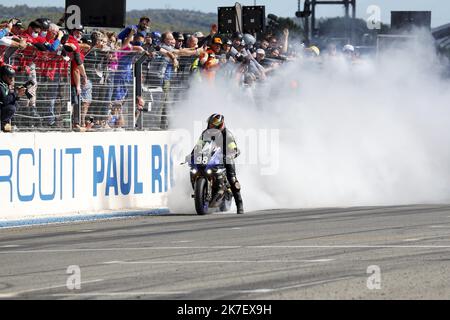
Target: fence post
138 88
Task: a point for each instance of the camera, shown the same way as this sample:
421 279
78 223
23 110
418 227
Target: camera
28 85
273 26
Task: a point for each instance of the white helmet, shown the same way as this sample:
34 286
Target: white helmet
349 48
249 39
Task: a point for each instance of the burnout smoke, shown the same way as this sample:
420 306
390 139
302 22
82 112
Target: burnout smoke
376 133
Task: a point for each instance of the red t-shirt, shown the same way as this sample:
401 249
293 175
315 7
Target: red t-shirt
74 65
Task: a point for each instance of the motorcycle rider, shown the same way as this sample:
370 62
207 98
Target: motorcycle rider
218 133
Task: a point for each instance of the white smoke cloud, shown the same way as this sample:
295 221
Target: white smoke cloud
375 133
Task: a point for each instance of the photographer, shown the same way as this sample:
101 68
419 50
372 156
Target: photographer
8 96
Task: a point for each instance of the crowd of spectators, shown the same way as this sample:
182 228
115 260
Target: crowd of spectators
243 58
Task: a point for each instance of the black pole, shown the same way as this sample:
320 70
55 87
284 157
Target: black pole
138 90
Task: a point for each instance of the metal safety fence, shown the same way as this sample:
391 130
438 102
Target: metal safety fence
46 75
162 86
108 97
122 90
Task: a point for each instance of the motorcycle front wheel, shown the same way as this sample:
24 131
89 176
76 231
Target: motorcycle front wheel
201 204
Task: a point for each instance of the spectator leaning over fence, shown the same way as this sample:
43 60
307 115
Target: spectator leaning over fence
209 59
123 73
28 61
5 28
52 70
78 72
171 53
10 34
192 42
10 38
179 40
237 39
112 41
18 28
148 43
13 26
142 28
8 97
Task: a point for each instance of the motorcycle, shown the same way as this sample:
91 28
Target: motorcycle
209 181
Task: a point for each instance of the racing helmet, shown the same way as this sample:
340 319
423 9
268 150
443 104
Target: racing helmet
7 71
315 50
348 48
216 121
249 39
156 36
45 23
237 36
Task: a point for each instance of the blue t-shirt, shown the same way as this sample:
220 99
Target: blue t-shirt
124 34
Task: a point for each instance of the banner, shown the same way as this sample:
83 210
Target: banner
54 173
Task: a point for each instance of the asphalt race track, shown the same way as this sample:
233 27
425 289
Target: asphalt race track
279 254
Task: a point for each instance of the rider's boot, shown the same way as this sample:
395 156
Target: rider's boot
239 203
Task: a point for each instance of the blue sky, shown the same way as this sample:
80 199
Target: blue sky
440 8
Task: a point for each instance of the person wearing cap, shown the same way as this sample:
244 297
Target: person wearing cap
226 46
31 62
55 71
349 52
10 34
200 37
18 28
208 60
237 39
6 29
261 56
8 96
268 66
77 70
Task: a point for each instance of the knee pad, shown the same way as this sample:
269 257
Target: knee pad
235 183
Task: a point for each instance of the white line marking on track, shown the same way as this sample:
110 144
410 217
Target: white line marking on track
10 246
230 247
115 294
412 240
353 247
255 291
18 293
215 261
